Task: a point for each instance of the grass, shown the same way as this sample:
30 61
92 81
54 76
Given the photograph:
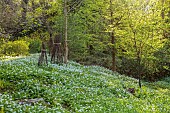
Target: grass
61 88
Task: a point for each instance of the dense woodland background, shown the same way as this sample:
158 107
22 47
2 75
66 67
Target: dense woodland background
131 37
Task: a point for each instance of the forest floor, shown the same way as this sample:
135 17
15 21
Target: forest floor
61 88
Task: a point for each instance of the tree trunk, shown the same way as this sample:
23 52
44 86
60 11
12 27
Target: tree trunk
112 36
65 33
138 59
139 69
113 52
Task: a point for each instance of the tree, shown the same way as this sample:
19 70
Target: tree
22 18
117 11
72 5
141 39
65 32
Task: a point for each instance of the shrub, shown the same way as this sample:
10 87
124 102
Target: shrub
15 48
151 68
35 46
1 52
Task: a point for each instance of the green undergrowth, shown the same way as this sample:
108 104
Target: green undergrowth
75 88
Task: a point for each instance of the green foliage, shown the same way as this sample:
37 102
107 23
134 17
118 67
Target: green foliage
76 88
15 48
35 46
1 55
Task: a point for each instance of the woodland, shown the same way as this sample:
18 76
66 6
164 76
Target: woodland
127 36
59 53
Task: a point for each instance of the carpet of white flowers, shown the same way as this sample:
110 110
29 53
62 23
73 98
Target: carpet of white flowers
61 88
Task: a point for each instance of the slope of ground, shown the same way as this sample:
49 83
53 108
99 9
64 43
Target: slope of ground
60 88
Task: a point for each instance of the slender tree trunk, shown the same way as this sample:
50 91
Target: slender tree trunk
139 69
138 58
113 52
112 36
65 32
